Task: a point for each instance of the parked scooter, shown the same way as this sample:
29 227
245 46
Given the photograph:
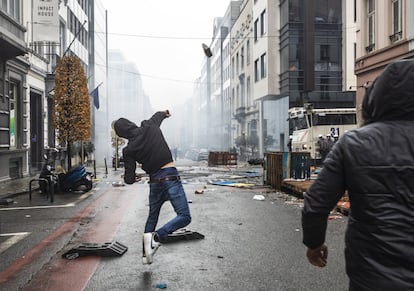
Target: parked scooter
76 179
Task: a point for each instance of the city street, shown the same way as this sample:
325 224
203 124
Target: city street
249 244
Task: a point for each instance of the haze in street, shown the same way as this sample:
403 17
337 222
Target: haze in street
163 38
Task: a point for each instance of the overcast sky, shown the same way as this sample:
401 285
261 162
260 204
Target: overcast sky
163 38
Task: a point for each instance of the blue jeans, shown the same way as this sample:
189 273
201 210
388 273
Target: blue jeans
161 192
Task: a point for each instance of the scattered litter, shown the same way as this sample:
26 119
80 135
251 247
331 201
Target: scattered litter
190 201
233 184
161 286
118 184
252 174
220 257
28 216
297 229
259 197
199 191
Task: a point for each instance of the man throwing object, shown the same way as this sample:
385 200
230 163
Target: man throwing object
147 146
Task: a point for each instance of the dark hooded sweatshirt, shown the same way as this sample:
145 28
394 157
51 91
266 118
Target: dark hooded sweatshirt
146 145
375 164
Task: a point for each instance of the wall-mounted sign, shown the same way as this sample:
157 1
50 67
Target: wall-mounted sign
45 20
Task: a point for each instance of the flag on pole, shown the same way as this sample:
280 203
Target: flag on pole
95 96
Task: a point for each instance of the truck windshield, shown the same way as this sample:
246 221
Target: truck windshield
297 123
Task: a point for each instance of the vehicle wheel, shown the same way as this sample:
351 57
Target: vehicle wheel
87 183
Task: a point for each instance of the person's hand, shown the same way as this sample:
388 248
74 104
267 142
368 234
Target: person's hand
318 257
167 113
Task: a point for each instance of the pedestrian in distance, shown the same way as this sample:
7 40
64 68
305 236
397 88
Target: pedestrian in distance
375 164
148 147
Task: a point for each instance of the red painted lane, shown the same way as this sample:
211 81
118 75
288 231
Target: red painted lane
62 274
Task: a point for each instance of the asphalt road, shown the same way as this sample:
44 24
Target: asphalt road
249 244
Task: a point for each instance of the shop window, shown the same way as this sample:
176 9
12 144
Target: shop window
13 122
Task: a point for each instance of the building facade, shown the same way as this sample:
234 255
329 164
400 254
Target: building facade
34 37
98 80
286 53
385 32
216 74
14 143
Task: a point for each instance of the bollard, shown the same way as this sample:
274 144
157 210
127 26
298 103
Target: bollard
38 180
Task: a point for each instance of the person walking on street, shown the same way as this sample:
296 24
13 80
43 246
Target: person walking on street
375 164
148 147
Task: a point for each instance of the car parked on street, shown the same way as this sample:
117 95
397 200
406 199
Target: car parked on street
202 155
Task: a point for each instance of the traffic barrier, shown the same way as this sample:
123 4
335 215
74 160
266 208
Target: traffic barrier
222 159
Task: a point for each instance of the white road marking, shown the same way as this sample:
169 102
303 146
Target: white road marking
14 238
72 204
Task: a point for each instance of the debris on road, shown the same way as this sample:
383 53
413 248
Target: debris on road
233 184
183 235
161 286
94 249
259 197
118 184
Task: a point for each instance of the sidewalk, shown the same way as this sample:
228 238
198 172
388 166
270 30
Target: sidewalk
10 188
20 186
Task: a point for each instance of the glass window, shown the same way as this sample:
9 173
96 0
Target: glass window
12 8
256 70
263 65
248 52
13 115
248 92
242 58
371 24
256 24
232 67
334 119
324 52
396 20
297 123
295 11
237 64
263 23
328 11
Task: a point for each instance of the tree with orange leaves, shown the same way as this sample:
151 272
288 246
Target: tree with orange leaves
72 114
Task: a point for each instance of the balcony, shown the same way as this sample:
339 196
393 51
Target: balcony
370 47
11 37
396 36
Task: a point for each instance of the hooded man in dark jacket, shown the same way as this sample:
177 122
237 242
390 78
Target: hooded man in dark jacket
147 146
375 164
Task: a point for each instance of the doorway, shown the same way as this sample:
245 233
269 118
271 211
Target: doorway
36 131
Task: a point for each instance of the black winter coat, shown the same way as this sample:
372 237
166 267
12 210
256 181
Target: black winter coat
375 164
146 145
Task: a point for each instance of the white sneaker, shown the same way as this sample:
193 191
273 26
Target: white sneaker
150 246
144 257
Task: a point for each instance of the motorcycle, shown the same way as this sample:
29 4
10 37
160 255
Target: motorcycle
76 179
